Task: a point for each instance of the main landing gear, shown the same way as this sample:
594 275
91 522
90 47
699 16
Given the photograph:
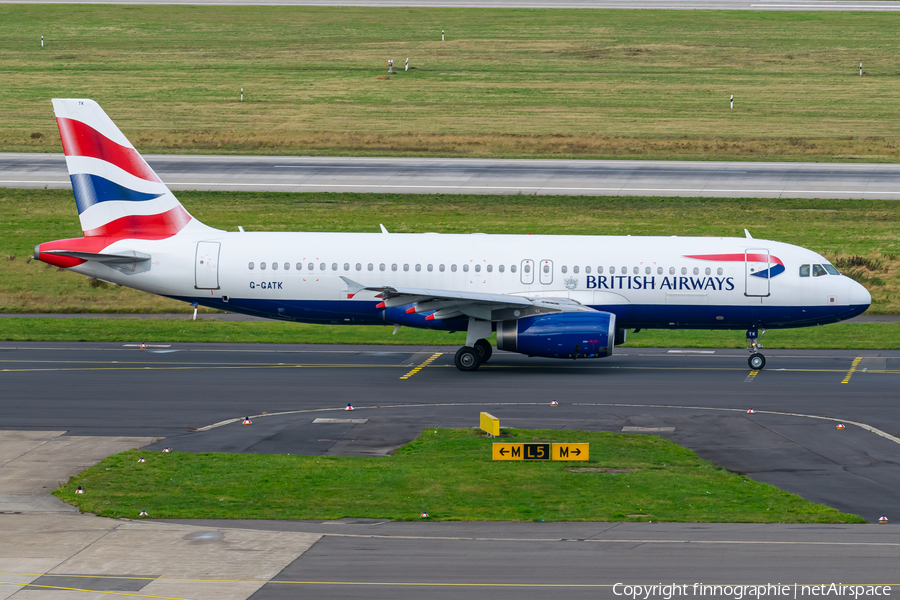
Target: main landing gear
757 361
469 358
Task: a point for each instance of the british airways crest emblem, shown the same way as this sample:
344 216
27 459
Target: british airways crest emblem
571 283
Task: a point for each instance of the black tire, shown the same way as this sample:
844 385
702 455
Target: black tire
757 361
467 359
484 349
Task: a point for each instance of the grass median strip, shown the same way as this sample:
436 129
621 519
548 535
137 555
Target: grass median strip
449 474
874 336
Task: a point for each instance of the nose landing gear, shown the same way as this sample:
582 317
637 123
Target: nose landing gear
757 361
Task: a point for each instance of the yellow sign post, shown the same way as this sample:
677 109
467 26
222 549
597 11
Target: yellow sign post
490 424
571 451
536 451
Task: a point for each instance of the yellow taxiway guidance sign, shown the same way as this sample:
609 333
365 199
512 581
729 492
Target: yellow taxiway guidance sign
537 451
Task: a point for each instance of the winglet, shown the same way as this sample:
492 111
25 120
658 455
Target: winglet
352 287
747 233
383 228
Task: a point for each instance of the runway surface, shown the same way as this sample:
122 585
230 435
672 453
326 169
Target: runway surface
194 395
487 176
791 5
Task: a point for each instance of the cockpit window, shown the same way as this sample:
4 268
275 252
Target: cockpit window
831 269
819 270
804 270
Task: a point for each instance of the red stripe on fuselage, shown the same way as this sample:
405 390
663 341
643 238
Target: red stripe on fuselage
79 139
753 257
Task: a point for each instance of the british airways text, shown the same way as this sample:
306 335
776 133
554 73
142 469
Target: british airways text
629 282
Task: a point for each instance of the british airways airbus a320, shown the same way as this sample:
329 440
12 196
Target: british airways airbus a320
551 296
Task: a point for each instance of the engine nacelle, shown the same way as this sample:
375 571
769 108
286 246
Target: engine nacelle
560 335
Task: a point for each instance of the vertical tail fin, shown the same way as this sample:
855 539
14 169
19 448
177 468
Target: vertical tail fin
116 191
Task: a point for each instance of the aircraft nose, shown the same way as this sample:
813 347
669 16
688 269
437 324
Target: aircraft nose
859 296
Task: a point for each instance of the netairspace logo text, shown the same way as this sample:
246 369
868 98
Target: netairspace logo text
738 592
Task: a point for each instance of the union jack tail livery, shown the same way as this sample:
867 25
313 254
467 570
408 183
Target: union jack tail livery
117 193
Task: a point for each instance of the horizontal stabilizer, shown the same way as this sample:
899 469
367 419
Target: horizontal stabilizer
128 256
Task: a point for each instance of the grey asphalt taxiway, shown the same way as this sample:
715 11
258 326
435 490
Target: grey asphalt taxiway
194 397
489 176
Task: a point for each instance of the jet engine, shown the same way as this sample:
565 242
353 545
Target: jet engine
560 335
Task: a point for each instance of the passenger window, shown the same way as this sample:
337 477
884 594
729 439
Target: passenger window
647 271
501 268
250 266
453 268
708 271
382 267
671 270
346 266
321 266
490 268
599 270
358 267
478 268
612 270
394 267
546 268
311 266
526 267
564 268
804 270
819 270
287 266
659 270
441 268
624 270
430 268
418 268
512 268
587 270
370 267
262 266
575 270
334 266
696 271
831 269
465 268
684 270
636 270
275 266
719 271
406 267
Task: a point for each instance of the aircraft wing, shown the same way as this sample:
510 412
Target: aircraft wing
446 304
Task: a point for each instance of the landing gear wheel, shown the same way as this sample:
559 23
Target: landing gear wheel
484 349
467 359
757 361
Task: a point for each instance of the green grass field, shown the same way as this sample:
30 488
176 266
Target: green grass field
882 336
449 474
839 229
528 83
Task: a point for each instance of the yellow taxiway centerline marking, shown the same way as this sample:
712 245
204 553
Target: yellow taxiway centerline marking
423 365
751 376
852 370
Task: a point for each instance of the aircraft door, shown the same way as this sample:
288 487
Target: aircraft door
546 272
527 272
757 267
206 266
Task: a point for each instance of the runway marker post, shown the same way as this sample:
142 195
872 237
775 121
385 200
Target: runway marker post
242 94
732 102
442 35
407 65
860 65
42 43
